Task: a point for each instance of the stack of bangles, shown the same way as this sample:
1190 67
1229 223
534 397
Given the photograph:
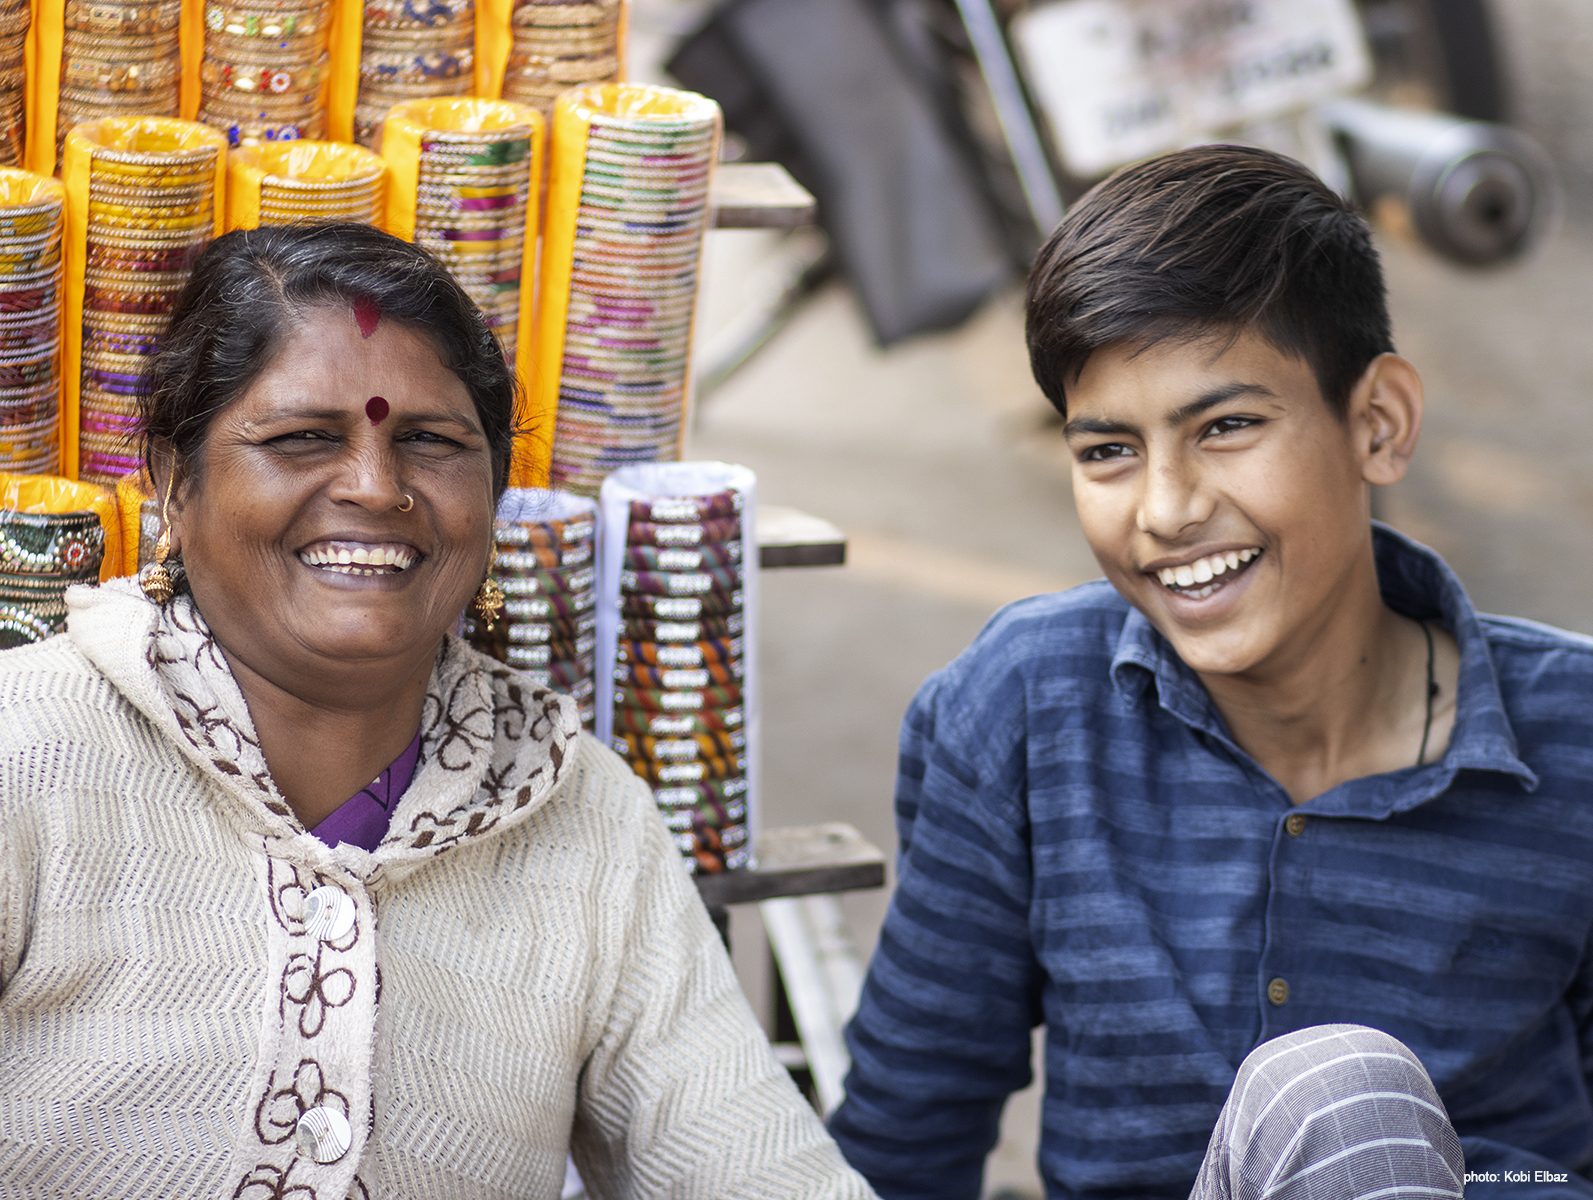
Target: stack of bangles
347 187
15 17
633 267
150 213
30 323
40 555
678 715
560 44
117 59
546 567
263 76
412 50
470 211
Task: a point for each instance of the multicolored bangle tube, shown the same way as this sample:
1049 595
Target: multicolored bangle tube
699 771
682 654
683 748
525 557
689 700
681 608
553 609
652 723
726 792
50 544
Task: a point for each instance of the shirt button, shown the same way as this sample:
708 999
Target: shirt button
1295 824
324 1134
1278 991
328 914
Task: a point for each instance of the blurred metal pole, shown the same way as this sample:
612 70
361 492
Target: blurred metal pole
1477 192
823 980
1012 109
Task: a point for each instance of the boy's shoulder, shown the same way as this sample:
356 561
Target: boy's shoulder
1518 635
1058 641
1544 674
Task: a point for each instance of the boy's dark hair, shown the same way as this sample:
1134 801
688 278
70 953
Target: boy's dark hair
1211 240
248 290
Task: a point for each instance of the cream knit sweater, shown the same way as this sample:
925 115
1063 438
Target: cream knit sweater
528 968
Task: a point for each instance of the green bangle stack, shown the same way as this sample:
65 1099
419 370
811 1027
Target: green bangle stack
41 555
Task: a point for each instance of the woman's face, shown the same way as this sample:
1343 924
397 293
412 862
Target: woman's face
291 531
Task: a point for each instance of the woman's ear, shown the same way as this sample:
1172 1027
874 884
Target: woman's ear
1385 416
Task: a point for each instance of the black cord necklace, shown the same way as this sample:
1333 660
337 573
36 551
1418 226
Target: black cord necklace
1432 692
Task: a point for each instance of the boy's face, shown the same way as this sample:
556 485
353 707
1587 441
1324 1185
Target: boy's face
1221 496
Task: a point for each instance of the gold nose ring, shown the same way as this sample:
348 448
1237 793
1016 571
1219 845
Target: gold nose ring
409 503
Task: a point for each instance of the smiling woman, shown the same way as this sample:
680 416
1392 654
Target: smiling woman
301 896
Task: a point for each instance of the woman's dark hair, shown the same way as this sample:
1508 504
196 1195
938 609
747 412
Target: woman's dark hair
248 290
1212 240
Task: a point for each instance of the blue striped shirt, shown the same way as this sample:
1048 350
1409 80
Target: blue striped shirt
1084 845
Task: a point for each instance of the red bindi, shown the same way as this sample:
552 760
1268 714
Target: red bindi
367 314
376 409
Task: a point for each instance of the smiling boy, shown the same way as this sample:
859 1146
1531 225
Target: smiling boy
1289 850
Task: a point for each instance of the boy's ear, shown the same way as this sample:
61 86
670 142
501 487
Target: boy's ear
1385 418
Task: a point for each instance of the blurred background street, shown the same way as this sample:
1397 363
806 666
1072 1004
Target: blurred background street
943 464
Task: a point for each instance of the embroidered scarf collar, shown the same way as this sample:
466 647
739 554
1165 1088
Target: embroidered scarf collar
493 746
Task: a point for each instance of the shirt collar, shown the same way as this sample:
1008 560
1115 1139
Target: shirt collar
1414 581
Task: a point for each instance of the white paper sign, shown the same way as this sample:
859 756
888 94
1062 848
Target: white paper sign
1120 80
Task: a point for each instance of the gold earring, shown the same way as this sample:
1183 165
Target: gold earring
489 597
158 582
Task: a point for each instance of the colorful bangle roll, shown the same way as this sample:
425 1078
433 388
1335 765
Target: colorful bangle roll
680 583
693 700
686 509
664 774
680 608
641 675
703 556
682 654
545 534
686 749
528 557
702 629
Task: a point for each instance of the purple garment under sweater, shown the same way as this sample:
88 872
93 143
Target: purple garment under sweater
362 819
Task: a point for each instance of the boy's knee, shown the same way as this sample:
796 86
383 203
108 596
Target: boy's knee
1332 1073
1342 1098
1326 1058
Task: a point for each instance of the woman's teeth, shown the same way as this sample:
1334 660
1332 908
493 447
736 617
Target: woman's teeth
1195 579
359 560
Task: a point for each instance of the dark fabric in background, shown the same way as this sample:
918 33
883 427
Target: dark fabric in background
819 86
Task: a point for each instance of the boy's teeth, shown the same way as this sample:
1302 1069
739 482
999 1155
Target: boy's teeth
1204 570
